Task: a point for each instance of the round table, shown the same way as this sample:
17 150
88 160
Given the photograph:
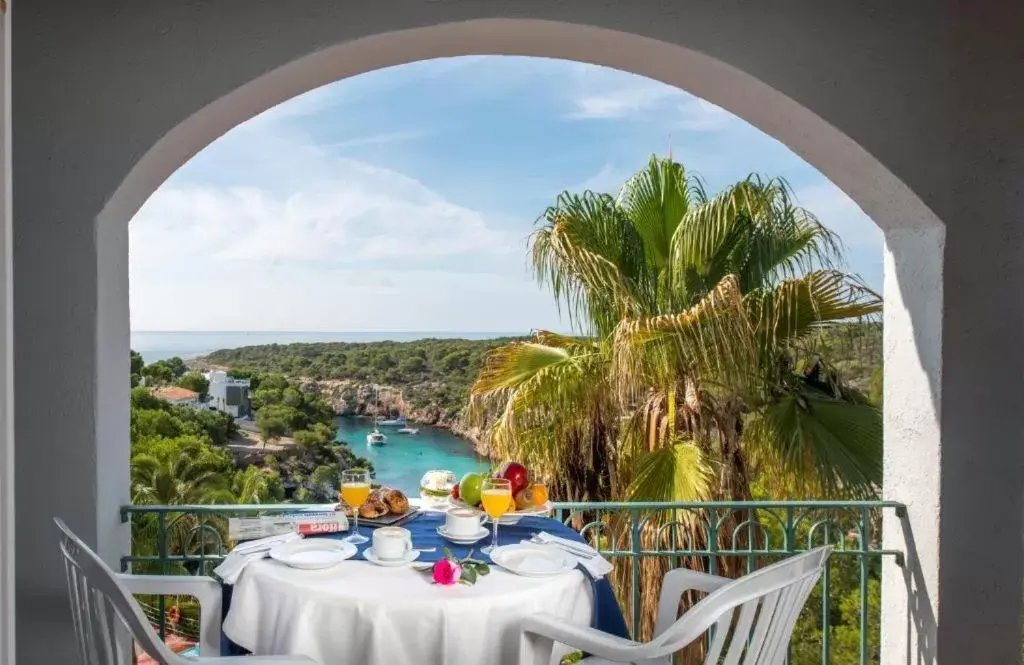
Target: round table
360 613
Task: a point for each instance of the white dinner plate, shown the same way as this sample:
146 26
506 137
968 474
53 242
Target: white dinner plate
313 553
533 560
462 540
371 556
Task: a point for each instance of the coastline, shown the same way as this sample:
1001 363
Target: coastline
354 398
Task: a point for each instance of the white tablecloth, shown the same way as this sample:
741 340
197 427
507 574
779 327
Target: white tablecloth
359 613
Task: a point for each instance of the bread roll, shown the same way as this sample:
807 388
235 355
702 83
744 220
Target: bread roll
373 508
396 501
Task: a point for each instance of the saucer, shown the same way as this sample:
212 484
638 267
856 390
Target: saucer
462 540
371 556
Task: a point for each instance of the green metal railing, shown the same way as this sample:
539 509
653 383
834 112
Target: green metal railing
730 538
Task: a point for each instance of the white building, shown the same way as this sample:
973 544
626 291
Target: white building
229 395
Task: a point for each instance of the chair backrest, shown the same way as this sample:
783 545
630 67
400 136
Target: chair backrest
752 619
103 611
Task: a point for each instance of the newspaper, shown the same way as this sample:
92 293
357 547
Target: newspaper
304 523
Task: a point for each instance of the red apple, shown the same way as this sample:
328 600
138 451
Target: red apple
516 475
455 492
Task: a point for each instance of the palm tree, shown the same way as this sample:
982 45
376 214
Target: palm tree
184 478
256 484
696 375
177 480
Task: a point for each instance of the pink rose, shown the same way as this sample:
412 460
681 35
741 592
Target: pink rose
447 572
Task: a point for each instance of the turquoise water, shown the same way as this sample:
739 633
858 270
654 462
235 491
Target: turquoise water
401 462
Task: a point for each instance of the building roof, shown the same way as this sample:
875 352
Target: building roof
174 394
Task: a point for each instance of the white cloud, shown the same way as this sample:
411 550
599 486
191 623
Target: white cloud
604 94
281 234
608 180
698 115
380 139
621 102
309 297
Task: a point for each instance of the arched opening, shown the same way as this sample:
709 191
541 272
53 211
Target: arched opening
883 77
909 224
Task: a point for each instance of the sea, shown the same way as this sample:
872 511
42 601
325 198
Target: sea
399 464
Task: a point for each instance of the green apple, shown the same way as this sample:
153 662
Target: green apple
470 486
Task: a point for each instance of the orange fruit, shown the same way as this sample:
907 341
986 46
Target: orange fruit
511 504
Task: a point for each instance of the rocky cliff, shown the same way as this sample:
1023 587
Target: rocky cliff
355 398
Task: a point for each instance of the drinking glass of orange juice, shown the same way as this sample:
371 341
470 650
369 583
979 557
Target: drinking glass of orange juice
355 490
496 495
539 494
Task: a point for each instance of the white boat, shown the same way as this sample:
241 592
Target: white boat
400 421
375 438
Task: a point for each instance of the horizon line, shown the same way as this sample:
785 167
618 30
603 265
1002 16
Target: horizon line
380 330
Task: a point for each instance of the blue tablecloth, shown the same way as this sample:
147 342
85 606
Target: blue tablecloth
607 614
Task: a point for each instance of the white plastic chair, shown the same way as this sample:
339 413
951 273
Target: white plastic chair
753 616
106 616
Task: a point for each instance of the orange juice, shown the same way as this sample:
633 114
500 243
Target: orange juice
355 494
496 501
540 494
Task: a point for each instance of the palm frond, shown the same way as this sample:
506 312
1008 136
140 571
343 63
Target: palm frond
676 472
710 341
588 253
797 306
812 443
656 199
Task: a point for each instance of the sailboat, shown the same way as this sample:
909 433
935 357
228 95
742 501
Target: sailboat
376 438
400 421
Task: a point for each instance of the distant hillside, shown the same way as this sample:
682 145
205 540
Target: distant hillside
429 372
855 349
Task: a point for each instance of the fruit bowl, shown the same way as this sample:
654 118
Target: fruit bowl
511 517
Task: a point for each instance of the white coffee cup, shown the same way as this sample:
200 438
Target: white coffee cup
462 522
392 543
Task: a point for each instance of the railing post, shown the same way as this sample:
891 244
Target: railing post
634 517
826 619
750 540
161 539
713 541
863 586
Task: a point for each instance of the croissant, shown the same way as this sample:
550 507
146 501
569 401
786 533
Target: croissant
373 508
396 501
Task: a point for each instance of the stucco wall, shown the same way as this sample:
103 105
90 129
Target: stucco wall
7 613
928 92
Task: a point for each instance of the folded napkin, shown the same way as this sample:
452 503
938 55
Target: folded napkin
597 565
538 564
235 562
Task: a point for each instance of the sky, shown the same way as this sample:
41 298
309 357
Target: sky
402 199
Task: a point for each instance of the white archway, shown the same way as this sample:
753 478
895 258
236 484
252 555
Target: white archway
109 98
914 235
868 182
